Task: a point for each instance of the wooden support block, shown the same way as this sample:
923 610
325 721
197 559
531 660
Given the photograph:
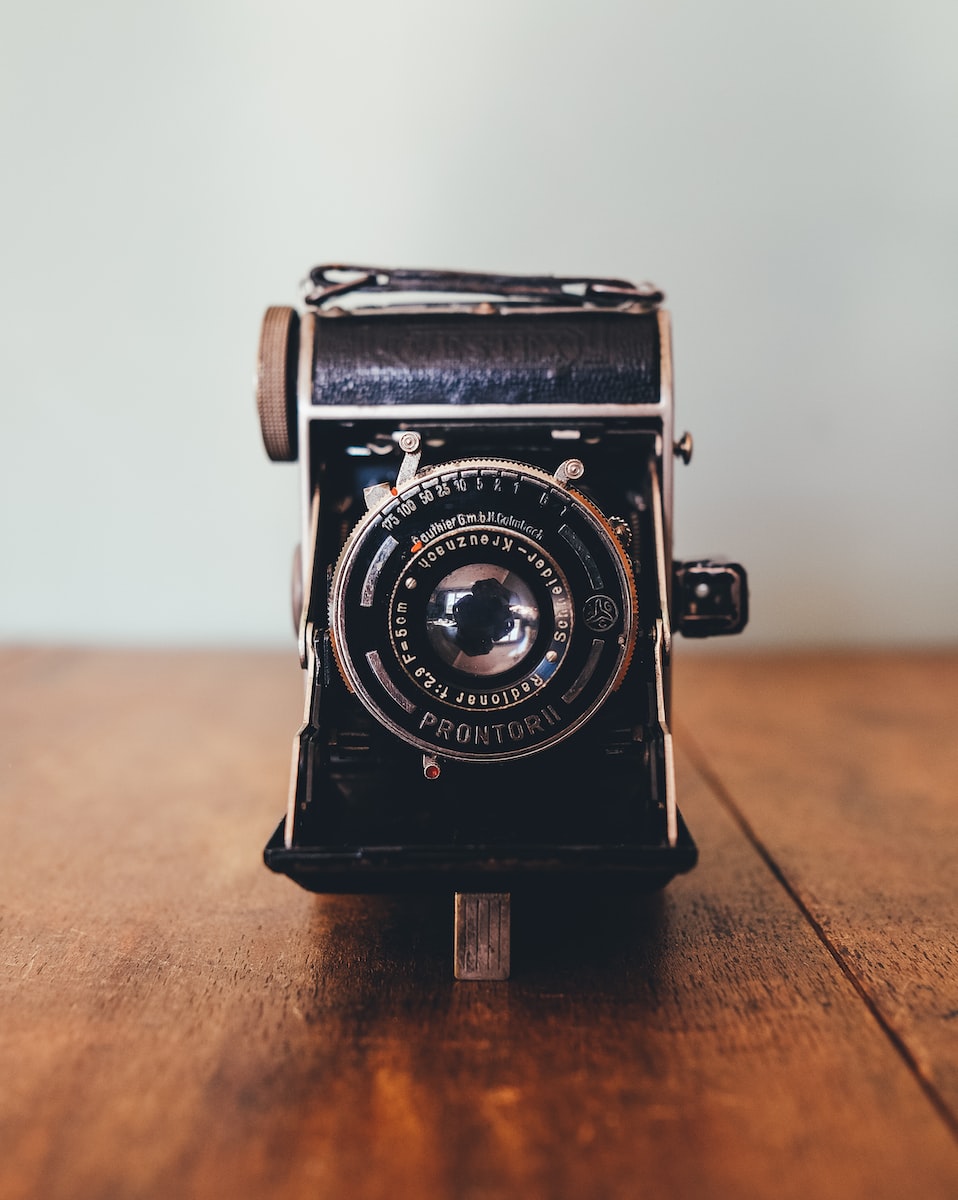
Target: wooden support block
482 935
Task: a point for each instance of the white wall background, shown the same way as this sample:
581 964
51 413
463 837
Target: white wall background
787 172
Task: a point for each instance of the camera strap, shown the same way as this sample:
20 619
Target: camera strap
332 281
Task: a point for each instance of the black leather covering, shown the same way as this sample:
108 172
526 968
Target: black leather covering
585 358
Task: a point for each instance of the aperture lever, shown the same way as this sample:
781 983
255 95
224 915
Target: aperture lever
571 469
409 443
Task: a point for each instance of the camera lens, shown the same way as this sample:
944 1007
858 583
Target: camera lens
482 619
483 611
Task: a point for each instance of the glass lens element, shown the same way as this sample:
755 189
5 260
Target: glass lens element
482 619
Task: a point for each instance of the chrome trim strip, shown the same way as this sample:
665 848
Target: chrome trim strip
661 568
377 668
489 305
304 398
671 810
666 403
307 569
289 826
367 594
311 700
385 413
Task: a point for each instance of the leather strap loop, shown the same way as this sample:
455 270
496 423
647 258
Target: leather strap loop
329 285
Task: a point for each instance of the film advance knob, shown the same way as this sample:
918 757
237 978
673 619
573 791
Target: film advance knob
276 382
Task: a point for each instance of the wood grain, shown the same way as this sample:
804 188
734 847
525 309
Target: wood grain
178 1022
845 769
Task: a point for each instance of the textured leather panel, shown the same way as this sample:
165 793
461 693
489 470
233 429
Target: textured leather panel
563 358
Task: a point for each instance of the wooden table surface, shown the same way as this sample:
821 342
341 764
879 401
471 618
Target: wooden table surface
175 1021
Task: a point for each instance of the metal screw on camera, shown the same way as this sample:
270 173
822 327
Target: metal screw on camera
683 448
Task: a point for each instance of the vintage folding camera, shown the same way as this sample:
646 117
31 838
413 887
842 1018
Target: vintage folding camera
485 594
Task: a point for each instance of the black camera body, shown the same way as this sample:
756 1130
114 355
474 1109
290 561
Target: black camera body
486 595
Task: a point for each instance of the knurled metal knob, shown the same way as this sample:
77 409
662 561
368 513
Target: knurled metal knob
276 382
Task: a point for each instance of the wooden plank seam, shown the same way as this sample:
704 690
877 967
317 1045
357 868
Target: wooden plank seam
724 797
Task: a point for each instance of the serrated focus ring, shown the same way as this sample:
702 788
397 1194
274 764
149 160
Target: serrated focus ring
276 382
